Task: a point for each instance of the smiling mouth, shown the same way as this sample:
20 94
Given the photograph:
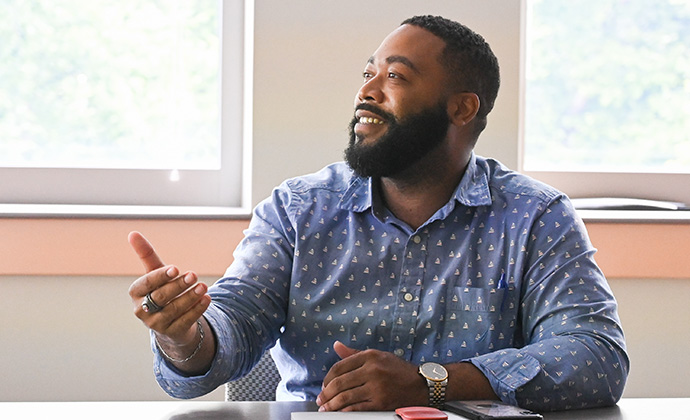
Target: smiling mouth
370 120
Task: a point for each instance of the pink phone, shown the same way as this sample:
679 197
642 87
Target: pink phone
421 413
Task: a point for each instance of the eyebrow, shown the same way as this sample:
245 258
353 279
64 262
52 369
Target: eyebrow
397 59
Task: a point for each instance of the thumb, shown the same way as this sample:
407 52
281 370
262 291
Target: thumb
145 251
343 351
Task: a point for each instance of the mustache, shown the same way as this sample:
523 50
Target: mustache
376 110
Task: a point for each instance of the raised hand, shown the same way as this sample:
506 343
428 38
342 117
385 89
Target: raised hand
182 300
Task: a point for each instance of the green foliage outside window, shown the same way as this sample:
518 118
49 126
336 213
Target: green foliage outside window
608 85
109 83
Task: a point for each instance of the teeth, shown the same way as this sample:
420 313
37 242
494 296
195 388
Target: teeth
370 120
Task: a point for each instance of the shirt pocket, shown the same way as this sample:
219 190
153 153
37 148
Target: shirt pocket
477 299
474 323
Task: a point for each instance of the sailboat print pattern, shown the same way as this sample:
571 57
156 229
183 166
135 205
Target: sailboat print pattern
503 276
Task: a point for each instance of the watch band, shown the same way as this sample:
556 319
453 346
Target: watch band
437 392
436 377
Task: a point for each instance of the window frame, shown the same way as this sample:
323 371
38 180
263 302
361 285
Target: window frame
576 184
46 192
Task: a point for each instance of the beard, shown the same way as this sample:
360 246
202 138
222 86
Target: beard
405 142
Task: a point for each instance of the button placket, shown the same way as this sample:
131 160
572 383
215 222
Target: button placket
407 310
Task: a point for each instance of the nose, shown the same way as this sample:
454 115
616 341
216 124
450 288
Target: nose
370 91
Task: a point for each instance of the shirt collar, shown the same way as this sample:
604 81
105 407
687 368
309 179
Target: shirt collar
472 191
357 197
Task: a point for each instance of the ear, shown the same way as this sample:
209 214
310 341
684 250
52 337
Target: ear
462 108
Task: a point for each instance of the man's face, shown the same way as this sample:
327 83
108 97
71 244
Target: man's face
400 146
400 110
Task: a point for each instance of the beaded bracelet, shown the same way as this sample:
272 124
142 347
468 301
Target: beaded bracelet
196 350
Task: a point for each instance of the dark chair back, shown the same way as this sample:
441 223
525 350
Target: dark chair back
258 385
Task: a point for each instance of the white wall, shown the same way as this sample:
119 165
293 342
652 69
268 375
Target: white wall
75 339
655 315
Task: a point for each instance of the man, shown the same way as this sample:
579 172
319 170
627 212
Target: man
413 274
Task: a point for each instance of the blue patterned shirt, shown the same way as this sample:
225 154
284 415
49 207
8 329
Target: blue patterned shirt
502 276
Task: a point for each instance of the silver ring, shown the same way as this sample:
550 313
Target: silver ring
149 305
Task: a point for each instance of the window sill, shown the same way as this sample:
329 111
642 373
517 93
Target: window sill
635 216
119 212
55 211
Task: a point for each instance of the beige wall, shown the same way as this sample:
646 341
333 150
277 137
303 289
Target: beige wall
68 332
65 319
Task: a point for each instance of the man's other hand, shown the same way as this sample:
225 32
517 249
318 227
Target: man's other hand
371 380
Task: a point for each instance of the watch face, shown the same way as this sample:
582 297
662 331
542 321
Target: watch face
433 371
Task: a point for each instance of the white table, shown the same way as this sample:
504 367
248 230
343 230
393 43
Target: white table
627 409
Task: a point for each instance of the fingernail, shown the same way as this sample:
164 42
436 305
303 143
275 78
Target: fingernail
188 278
172 272
199 289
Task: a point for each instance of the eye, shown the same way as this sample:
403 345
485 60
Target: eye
395 76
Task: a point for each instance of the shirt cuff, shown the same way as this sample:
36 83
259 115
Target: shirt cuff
507 370
179 385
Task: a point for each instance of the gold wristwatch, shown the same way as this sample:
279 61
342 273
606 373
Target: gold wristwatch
436 378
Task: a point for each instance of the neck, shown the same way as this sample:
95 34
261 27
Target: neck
419 192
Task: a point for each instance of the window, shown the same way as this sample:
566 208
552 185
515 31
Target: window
606 107
126 103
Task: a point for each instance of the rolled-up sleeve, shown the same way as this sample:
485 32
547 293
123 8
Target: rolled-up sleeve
248 304
574 350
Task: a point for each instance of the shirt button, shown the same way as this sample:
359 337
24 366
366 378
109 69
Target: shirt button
416 239
408 297
399 352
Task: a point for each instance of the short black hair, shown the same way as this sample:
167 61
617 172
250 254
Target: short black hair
468 59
